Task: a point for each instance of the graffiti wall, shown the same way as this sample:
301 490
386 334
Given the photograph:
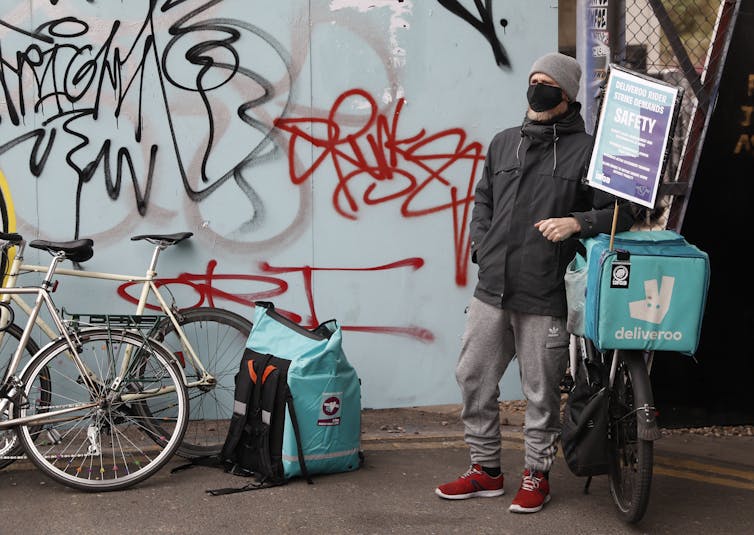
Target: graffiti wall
323 154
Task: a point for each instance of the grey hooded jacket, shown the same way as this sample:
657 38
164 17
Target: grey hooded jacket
535 172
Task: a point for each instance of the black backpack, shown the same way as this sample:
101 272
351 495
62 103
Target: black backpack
584 435
253 446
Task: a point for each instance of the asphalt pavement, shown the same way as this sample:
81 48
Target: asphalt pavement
703 483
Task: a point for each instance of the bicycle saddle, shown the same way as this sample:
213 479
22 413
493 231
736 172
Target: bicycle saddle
171 238
11 237
75 250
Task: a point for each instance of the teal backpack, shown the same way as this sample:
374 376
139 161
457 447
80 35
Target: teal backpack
647 293
326 392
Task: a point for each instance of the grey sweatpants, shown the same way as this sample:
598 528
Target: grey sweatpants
492 338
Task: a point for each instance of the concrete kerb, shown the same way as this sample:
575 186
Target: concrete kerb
439 426
432 424
714 449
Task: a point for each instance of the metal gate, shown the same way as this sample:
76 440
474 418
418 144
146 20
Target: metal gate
683 42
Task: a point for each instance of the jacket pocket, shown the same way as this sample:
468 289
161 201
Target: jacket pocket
563 183
556 344
506 170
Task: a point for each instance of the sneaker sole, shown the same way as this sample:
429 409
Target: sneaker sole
515 508
477 494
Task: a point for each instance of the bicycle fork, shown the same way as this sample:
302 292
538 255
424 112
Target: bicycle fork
644 406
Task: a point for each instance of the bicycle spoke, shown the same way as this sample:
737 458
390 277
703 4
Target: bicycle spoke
219 339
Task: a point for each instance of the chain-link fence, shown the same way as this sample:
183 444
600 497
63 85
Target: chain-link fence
682 42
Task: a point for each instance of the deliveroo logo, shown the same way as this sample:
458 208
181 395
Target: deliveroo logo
656 303
652 309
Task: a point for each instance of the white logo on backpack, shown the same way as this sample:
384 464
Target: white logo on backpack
329 410
656 303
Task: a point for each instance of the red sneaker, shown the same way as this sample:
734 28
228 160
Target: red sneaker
475 483
533 494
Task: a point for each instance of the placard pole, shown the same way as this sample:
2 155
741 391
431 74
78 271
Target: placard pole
615 223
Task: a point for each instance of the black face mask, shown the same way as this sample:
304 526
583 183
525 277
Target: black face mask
543 97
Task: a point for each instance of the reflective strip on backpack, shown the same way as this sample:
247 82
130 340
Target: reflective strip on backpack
239 407
321 456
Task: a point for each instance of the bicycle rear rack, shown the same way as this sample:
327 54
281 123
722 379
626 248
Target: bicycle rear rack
146 324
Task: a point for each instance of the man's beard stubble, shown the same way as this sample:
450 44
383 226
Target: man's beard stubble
547 115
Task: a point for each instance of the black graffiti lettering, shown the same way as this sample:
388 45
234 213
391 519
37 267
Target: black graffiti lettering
113 187
485 25
72 77
36 163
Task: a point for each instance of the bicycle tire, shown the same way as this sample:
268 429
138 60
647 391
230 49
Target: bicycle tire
10 446
631 457
108 446
219 338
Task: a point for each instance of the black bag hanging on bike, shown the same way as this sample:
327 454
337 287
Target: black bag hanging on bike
585 423
253 446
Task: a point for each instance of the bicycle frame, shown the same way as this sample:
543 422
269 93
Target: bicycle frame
10 383
9 387
582 349
148 286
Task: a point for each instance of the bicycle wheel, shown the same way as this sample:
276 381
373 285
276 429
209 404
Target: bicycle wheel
218 337
10 446
108 445
631 458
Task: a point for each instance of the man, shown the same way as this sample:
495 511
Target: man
530 208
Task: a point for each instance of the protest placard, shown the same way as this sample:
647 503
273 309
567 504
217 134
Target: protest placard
634 126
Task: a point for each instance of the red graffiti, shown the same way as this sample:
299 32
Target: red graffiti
204 285
395 168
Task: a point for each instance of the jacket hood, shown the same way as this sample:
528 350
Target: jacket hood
549 133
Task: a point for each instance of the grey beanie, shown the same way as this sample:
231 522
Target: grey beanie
565 70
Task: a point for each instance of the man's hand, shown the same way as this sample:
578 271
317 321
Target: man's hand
558 229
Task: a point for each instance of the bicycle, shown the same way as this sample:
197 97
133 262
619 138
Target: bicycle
207 341
632 424
96 409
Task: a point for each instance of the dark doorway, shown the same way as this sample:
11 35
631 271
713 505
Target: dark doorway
717 386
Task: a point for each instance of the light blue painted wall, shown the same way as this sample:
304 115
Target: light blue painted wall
343 136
